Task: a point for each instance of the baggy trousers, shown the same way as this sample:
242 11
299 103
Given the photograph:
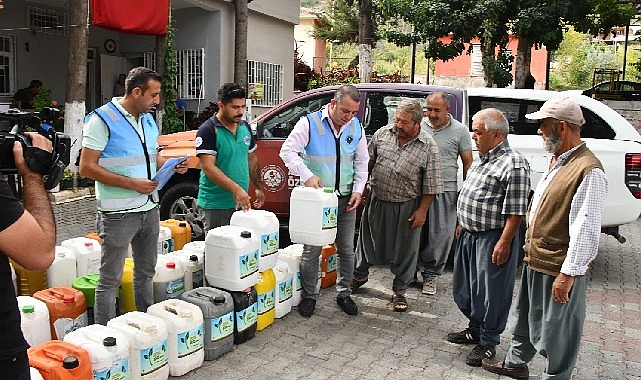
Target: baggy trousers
483 290
539 324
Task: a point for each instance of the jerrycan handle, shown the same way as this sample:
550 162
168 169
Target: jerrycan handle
52 354
175 310
203 296
140 325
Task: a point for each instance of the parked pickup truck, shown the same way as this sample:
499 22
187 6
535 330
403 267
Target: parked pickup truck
612 138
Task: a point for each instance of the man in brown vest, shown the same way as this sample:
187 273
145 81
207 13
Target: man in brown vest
562 239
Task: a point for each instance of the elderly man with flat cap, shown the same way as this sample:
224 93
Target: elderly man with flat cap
562 239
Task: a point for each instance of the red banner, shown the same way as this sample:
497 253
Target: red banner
131 16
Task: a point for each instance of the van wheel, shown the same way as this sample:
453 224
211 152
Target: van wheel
179 202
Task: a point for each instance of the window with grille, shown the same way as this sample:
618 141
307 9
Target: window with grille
476 68
265 83
47 21
191 72
7 64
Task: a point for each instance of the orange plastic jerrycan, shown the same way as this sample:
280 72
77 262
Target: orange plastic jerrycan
94 236
329 263
57 360
67 309
180 232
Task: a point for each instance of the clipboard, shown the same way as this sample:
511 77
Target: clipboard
167 170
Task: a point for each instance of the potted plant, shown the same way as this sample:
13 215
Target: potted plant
85 182
66 182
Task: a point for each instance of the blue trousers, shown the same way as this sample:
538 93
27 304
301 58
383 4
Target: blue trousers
483 290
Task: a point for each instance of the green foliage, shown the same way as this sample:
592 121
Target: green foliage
42 99
387 57
575 60
499 68
338 23
170 121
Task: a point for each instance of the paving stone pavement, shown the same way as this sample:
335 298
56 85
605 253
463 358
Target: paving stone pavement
380 343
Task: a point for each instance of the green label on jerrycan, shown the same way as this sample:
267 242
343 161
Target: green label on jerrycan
268 244
246 318
190 341
222 327
248 264
153 358
265 302
330 218
285 290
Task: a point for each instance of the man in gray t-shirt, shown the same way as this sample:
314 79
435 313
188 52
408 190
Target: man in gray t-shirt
453 140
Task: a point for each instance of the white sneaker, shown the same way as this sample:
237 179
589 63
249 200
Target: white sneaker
429 285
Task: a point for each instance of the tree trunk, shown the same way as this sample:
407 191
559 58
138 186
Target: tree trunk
161 51
240 43
76 75
522 63
161 43
487 49
365 41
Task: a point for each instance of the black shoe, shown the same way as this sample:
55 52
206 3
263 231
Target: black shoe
356 283
467 336
306 307
500 368
478 353
347 304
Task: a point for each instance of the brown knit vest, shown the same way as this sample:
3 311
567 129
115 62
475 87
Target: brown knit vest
547 240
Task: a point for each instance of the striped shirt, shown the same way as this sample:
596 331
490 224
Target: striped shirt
585 215
497 185
402 173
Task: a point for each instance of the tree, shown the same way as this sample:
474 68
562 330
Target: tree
76 73
577 57
240 42
542 22
340 24
444 27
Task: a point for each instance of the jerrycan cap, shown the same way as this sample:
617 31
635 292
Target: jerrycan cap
68 298
182 224
193 258
327 190
109 341
245 234
219 299
70 362
88 244
171 265
28 309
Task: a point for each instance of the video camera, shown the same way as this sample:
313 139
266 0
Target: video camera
51 165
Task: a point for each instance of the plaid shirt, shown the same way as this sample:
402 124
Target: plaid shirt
402 173
497 184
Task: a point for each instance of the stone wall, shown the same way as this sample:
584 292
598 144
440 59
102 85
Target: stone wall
631 110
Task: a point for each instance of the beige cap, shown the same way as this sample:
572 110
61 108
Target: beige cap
561 109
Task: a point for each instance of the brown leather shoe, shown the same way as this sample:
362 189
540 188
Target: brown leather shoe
499 368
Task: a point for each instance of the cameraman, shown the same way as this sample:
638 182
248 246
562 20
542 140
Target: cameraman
27 236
